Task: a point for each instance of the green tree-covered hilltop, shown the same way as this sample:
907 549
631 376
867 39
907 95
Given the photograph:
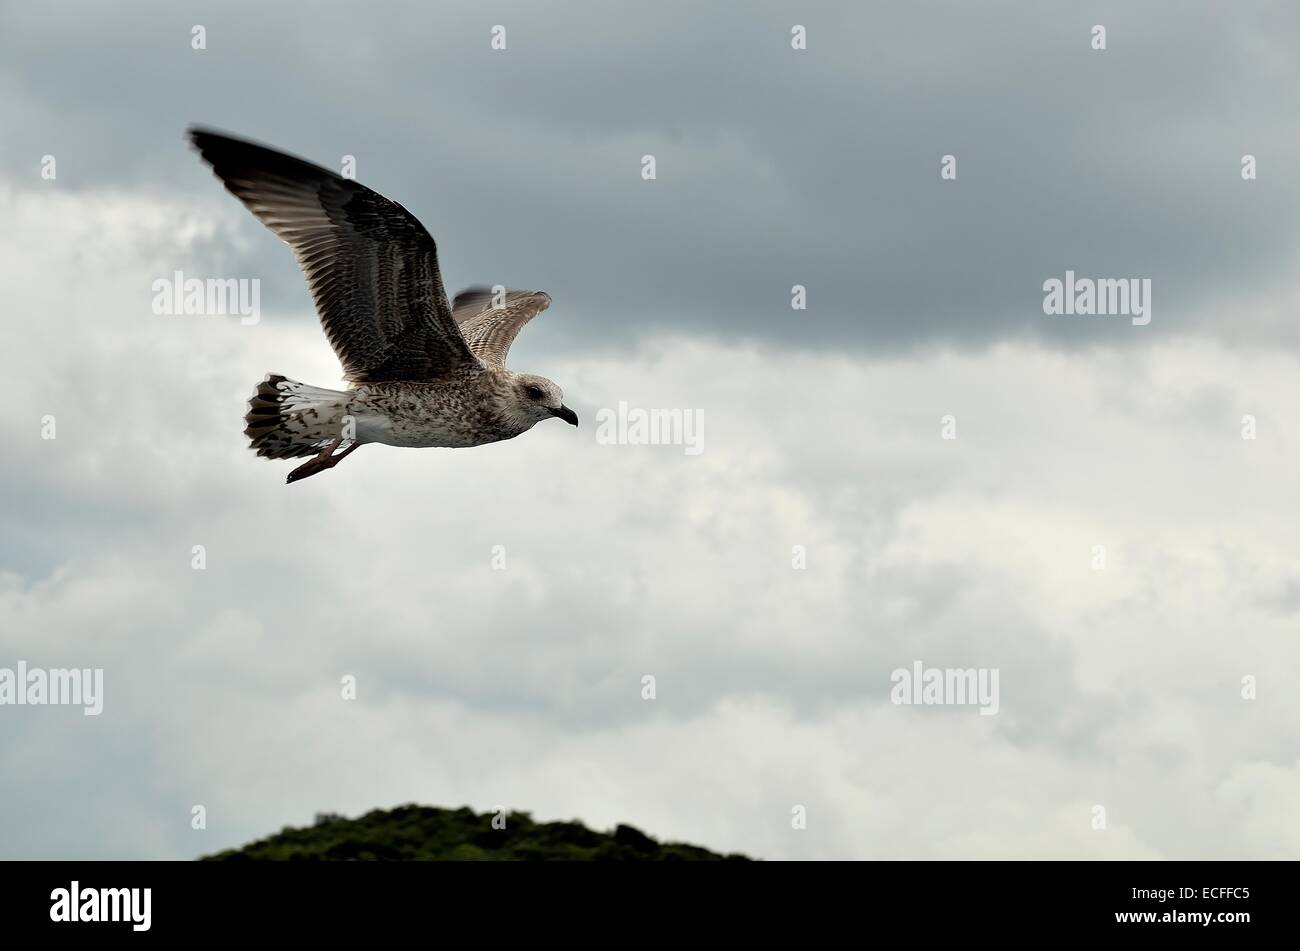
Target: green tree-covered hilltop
425 833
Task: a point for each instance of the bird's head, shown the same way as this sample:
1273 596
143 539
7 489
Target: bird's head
533 398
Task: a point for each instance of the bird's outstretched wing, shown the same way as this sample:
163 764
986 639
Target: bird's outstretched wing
371 266
491 329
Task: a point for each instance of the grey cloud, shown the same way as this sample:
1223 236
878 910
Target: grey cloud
522 686
776 167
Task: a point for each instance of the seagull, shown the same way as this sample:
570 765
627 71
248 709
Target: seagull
423 372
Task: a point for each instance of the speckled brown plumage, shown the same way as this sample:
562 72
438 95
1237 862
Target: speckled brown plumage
425 371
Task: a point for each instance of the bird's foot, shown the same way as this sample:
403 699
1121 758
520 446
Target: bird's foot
326 460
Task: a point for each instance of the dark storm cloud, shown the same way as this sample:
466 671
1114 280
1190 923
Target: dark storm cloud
775 167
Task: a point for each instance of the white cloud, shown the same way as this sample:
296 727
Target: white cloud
521 687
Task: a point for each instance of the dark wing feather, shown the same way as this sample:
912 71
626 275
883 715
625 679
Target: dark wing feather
371 266
491 329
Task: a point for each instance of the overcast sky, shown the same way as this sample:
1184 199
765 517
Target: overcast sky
1120 686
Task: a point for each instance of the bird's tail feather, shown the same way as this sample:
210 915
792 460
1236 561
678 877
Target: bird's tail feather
287 419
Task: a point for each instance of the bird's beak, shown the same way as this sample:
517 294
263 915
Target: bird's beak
566 414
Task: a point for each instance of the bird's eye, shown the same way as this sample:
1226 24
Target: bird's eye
534 393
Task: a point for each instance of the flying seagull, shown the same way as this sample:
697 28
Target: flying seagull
424 372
